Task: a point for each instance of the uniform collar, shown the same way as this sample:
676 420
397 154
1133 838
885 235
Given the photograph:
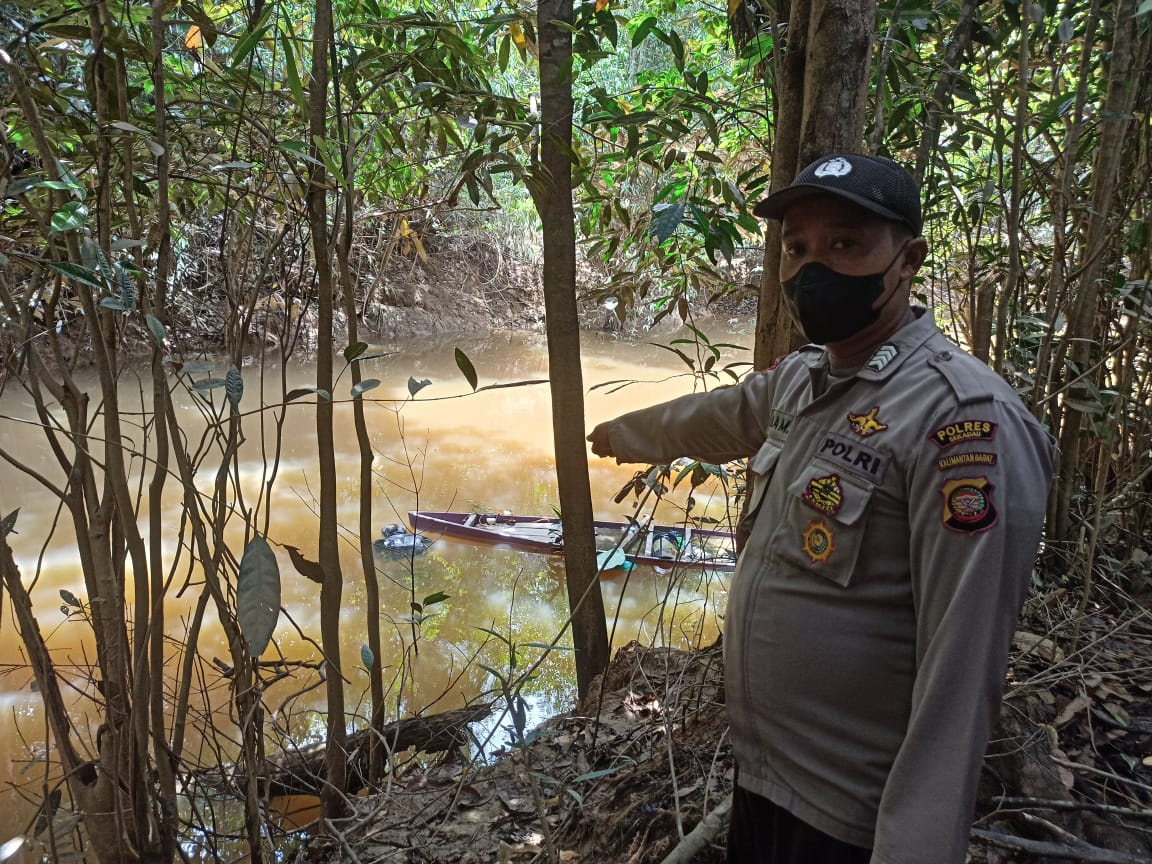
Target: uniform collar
892 353
898 347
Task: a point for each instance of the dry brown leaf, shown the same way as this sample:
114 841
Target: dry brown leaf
1043 648
1078 704
1065 774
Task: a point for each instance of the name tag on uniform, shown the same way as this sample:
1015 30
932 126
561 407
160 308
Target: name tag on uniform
780 424
866 462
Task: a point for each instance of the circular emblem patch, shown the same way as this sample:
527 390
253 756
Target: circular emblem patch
818 541
825 493
834 168
968 505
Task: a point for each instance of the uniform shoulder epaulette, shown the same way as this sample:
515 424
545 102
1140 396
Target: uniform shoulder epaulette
785 357
970 379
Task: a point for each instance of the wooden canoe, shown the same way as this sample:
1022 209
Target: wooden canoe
654 545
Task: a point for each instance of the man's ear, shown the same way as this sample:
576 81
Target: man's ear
915 251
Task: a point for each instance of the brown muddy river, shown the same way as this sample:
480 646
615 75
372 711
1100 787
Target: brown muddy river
446 450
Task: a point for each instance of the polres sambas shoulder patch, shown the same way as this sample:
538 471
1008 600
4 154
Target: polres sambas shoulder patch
968 506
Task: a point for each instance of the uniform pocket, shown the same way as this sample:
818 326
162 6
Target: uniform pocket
823 527
760 470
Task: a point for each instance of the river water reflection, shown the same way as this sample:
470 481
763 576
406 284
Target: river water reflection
491 450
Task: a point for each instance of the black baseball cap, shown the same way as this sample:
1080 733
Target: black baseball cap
872 182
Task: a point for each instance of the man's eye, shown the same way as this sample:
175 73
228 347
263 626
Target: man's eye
793 250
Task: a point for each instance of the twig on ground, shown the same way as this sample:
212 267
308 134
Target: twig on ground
1133 783
700 836
1047 804
1079 852
348 850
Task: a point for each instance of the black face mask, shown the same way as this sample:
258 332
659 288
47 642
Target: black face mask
831 307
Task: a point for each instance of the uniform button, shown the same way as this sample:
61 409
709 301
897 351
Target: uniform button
944 355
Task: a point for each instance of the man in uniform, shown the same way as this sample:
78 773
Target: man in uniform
899 491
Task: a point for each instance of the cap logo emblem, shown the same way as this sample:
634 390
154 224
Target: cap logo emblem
834 168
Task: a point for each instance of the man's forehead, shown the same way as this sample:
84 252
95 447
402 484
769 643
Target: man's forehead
826 211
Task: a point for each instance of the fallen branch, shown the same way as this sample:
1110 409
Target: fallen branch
1048 804
699 837
1079 851
301 772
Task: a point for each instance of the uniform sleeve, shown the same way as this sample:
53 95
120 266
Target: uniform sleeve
977 494
718 426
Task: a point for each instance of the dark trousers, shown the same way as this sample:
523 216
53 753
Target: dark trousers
762 833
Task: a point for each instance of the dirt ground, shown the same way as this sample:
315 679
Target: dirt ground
641 763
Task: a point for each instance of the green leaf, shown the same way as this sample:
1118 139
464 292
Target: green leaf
596 775
127 127
610 559
465 366
234 386
364 386
244 46
646 25
300 392
196 367
367 657
300 150
8 523
155 328
666 218
74 185
1093 408
293 74
21 185
355 350
70 598
258 595
71 216
548 647
415 386
208 384
433 599
127 287
114 303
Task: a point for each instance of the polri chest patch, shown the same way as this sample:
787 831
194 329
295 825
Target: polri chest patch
868 424
825 493
963 430
854 457
968 506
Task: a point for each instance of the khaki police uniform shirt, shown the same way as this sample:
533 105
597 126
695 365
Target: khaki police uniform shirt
895 523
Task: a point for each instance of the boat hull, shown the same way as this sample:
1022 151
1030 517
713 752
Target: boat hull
653 545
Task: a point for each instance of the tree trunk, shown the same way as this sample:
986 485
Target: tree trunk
822 85
941 102
1115 122
332 589
553 193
